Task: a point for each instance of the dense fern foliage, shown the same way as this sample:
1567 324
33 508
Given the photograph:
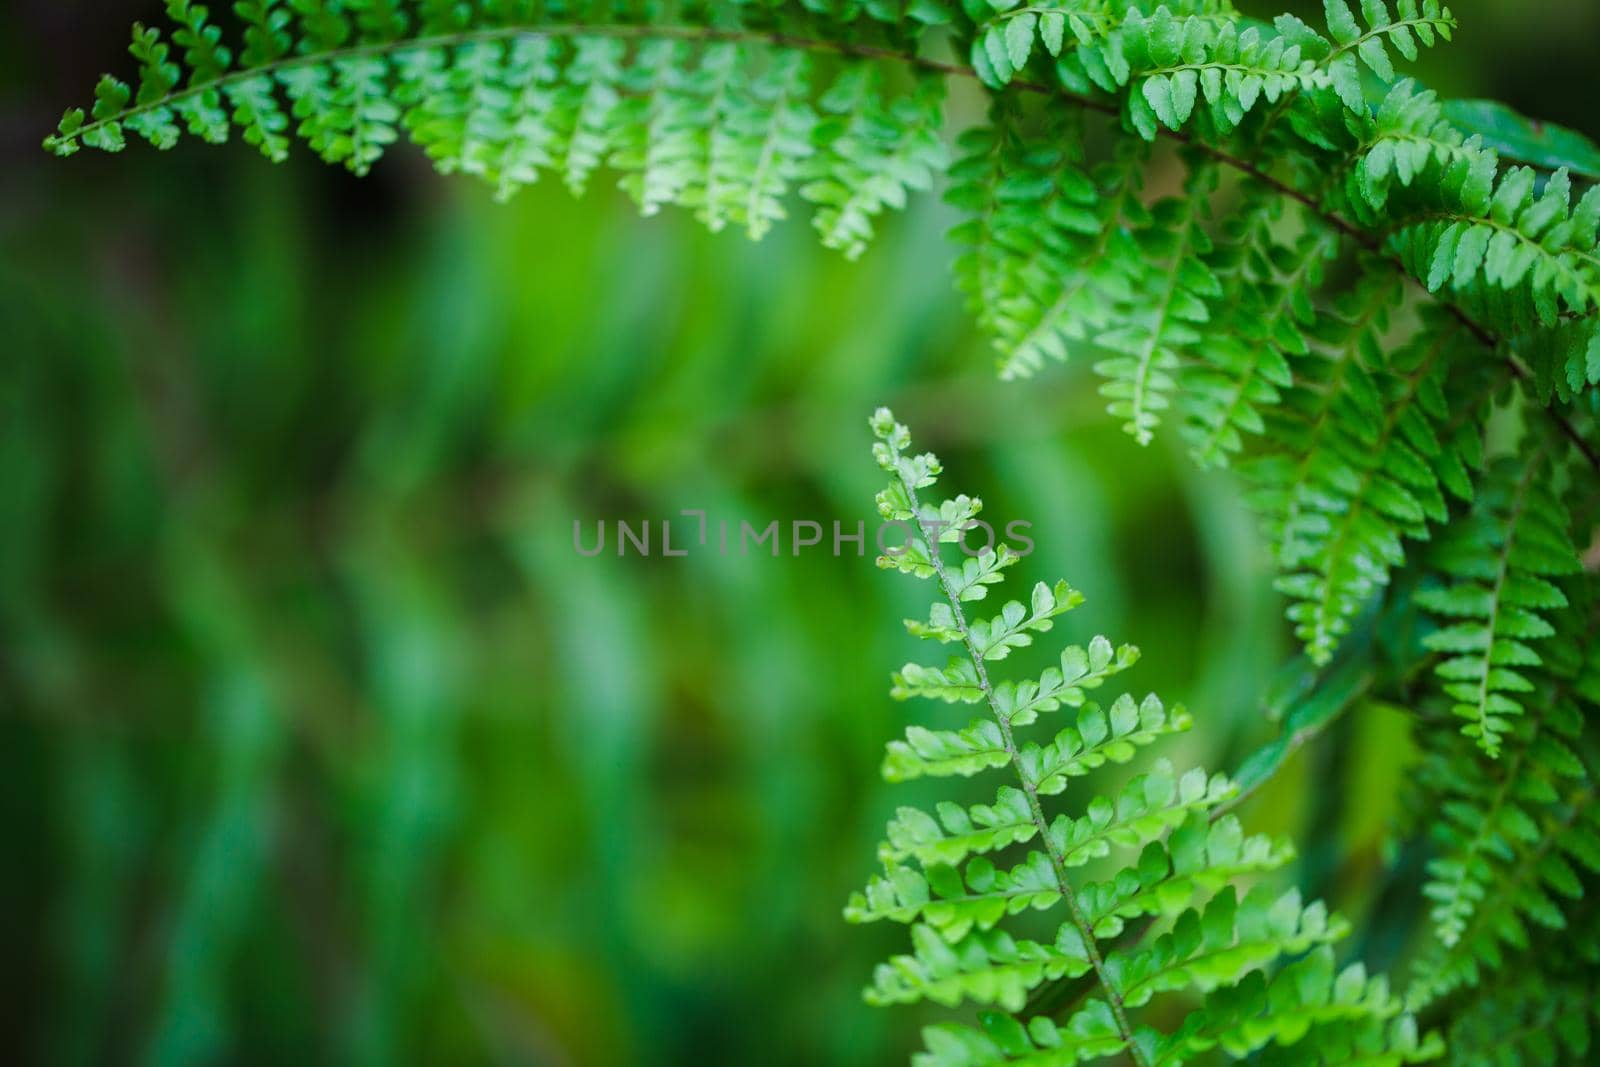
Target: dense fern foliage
1265 239
1163 844
1344 285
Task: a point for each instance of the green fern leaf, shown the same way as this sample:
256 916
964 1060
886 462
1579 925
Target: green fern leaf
938 875
1498 562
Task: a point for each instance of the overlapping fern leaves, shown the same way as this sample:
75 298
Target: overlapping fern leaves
1517 842
1317 184
1334 284
1259 962
708 106
1540 1014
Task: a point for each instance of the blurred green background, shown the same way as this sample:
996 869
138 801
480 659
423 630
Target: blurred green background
321 744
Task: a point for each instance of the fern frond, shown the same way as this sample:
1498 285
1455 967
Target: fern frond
939 878
1540 1019
1517 836
1172 62
1406 138
1498 562
1523 257
1392 455
724 119
1247 356
1051 252
1538 876
871 154
727 108
1363 450
1166 312
1417 23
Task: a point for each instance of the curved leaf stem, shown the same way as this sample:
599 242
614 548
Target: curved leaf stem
1041 824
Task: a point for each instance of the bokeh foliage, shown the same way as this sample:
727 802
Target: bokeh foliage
335 746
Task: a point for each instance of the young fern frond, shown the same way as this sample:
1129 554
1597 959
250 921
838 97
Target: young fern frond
1406 138
1174 864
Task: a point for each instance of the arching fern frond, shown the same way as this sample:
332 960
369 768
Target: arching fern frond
733 109
1525 256
1404 139
939 878
724 119
1171 62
